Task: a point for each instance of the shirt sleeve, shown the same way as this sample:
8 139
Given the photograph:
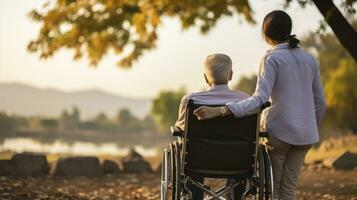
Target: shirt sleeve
182 113
319 99
265 83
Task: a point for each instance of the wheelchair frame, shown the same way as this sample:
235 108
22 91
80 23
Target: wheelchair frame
174 179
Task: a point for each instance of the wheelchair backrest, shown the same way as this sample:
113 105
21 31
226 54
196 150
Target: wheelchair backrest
219 144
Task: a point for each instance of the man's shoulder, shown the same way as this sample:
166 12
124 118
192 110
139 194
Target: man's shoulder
186 97
240 93
193 95
229 95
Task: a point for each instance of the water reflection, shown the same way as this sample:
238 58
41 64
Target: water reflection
79 148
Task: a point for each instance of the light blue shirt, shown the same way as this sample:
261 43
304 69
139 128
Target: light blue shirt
290 79
216 95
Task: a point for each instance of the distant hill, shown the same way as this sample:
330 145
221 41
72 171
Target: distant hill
27 100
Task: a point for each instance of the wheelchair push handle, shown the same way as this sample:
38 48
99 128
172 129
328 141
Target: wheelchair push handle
264 134
265 105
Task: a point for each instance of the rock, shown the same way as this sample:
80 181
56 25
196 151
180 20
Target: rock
7 167
316 167
337 143
317 162
133 155
135 163
110 167
326 145
328 162
136 166
30 164
347 161
78 166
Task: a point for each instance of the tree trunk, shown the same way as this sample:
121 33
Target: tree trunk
339 25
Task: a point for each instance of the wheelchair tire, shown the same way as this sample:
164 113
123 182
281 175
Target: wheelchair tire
167 175
177 172
261 173
268 175
173 171
164 175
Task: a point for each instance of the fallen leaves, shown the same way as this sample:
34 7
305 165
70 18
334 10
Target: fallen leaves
122 187
322 185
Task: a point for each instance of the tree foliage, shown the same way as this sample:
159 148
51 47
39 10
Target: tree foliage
341 93
70 120
165 108
128 27
125 122
49 124
7 125
338 72
247 84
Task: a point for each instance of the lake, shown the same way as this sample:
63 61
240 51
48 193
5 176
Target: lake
21 144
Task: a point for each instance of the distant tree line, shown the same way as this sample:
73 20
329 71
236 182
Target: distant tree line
123 122
165 108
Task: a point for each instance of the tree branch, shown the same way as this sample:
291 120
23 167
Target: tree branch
339 25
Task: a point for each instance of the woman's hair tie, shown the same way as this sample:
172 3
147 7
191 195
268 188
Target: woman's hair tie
292 40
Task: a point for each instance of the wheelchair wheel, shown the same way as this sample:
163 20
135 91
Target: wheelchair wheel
164 179
261 173
177 172
268 175
167 174
172 184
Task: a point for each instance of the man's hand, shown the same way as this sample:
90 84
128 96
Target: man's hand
206 112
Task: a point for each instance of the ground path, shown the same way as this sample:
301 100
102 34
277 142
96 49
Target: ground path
321 184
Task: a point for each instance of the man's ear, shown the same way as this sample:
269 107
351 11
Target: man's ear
206 79
231 75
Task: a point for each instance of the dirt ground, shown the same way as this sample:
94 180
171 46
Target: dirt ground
321 184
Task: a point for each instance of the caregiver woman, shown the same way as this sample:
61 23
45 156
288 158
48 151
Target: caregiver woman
289 77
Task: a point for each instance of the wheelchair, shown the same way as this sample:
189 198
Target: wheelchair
224 148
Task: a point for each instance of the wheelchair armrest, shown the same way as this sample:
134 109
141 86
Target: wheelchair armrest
176 131
264 134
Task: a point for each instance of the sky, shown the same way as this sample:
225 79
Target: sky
176 62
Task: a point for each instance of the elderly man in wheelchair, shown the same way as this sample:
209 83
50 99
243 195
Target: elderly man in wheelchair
225 147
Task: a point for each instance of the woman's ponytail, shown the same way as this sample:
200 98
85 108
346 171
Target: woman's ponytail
277 27
293 41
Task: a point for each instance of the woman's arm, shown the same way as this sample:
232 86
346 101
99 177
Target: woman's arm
265 84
